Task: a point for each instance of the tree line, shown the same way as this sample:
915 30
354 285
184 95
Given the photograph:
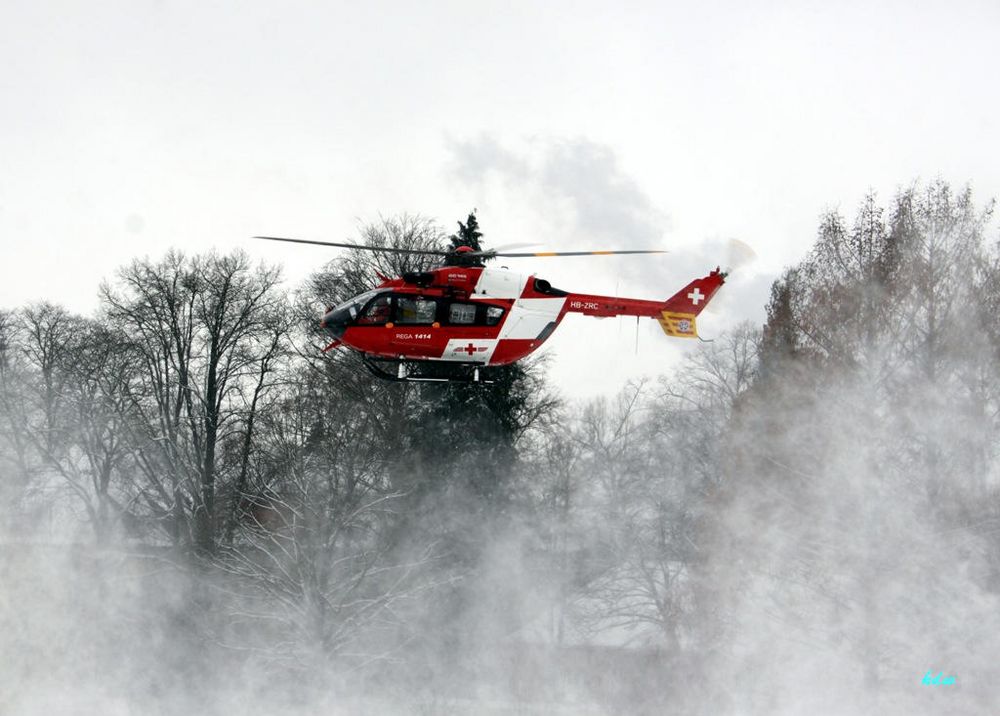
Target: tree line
791 484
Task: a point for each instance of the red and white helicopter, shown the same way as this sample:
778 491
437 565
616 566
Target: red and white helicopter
467 316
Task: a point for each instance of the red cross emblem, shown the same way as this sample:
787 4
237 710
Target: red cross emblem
470 349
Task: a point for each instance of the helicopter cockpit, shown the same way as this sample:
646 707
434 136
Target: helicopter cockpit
338 318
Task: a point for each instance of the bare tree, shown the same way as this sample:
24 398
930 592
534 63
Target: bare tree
206 330
48 422
635 576
93 450
313 579
355 271
16 455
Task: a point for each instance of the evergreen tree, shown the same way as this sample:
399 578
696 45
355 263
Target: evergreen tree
468 235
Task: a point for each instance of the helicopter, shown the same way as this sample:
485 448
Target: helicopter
448 323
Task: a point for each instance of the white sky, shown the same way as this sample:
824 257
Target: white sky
128 128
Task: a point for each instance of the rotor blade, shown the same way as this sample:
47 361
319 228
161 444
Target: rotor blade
385 249
508 247
739 254
564 253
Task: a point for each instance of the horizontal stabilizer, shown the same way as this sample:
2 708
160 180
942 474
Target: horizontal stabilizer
678 325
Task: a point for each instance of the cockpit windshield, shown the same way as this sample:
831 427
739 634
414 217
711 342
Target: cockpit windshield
355 304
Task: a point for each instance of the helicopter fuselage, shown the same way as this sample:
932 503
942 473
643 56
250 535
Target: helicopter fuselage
486 316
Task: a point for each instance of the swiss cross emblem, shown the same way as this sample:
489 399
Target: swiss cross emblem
696 296
470 350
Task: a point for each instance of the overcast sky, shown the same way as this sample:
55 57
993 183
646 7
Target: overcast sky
128 128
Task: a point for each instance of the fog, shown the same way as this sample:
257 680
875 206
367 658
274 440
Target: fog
206 515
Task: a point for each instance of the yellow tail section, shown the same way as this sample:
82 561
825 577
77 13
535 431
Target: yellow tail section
679 325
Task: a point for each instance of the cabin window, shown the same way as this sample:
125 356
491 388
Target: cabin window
377 313
462 314
493 315
415 311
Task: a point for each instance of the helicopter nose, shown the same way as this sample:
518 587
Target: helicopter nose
335 322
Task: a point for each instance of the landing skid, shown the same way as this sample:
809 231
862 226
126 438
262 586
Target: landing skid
400 371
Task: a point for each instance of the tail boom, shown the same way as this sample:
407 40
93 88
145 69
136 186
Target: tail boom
676 315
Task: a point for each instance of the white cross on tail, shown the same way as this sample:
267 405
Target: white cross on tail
696 296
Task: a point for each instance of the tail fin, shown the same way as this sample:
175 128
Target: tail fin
679 311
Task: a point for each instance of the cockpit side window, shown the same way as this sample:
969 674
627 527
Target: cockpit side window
415 311
377 312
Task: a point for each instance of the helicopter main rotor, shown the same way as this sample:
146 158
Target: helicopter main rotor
462 252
